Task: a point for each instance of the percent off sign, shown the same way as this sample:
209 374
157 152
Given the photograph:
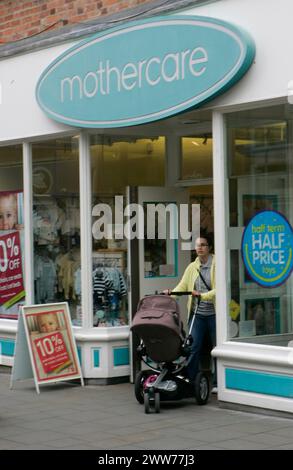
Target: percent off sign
10 252
50 345
11 276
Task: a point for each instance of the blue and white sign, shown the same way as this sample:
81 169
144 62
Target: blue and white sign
267 245
144 71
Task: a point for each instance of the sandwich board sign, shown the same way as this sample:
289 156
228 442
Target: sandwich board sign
45 348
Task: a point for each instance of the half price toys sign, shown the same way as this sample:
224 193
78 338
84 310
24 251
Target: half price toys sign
267 248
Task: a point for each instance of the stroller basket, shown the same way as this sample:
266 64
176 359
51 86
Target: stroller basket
157 322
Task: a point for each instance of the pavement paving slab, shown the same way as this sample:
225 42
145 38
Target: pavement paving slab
70 417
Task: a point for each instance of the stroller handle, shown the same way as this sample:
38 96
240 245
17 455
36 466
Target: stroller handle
187 292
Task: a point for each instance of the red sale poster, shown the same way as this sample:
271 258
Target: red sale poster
52 352
51 342
11 278
12 294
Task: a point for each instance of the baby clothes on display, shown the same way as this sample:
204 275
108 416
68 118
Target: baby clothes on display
77 282
68 264
118 283
58 263
109 289
71 223
56 227
45 279
48 218
102 282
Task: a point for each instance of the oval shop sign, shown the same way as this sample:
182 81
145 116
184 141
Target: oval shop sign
144 71
267 245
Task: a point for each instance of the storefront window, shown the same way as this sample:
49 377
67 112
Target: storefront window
117 162
160 249
203 195
197 156
56 221
12 289
196 146
260 166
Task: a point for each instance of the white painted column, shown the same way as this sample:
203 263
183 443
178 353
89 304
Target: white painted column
221 218
288 203
28 223
85 189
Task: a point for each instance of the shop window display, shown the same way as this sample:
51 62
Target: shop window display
56 223
160 254
203 195
109 287
259 150
196 150
118 162
12 289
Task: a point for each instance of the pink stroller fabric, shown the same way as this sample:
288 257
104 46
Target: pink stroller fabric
157 322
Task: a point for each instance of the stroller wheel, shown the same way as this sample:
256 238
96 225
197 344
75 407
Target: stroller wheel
151 401
201 388
157 402
147 406
138 384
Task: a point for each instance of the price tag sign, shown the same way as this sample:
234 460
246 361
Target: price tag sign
11 278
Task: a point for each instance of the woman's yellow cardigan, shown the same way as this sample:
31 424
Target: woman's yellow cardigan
188 279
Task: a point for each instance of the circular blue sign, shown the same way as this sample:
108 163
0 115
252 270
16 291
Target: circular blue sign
266 248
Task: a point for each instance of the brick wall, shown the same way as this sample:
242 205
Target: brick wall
22 18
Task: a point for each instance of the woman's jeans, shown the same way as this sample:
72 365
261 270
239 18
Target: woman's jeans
203 325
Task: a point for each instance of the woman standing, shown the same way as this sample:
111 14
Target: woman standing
199 277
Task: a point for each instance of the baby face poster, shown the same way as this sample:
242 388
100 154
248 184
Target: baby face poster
11 253
51 342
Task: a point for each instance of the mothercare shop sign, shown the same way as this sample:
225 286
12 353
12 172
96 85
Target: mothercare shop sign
144 71
267 246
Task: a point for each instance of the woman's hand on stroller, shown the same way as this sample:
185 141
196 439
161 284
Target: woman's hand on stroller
195 293
166 292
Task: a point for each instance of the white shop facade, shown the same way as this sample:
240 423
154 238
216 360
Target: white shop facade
145 113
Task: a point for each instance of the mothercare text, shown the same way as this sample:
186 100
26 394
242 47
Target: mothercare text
109 78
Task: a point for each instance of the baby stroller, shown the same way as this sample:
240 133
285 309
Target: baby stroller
165 348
